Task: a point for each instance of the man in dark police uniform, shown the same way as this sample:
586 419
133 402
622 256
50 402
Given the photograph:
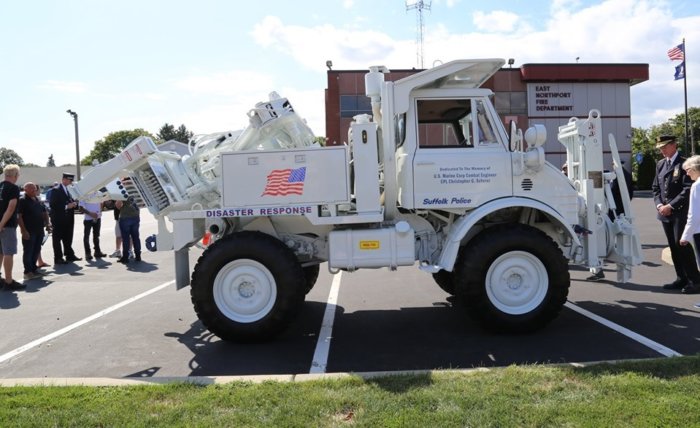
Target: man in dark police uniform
671 189
63 219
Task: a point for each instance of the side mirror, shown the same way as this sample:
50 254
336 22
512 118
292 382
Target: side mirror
515 135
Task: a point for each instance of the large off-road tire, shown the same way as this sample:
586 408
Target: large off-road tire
247 287
512 278
445 280
310 276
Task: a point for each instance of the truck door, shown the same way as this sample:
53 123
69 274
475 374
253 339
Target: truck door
461 160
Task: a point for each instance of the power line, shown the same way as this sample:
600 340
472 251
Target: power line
419 6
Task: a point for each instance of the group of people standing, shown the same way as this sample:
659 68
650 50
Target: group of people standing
63 206
34 220
678 208
31 216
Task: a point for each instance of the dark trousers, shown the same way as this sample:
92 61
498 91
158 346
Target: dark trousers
94 227
30 251
682 256
62 237
129 227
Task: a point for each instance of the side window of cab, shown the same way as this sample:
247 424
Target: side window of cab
450 123
445 123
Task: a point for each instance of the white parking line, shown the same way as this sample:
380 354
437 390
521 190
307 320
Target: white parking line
77 324
661 349
323 345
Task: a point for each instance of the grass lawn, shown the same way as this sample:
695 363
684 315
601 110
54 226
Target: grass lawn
648 393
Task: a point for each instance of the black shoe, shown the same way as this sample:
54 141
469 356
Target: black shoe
73 259
137 258
60 262
596 276
676 285
88 258
691 289
14 285
99 255
123 260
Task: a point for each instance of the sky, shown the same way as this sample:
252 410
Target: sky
143 63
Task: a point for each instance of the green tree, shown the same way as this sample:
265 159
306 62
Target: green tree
168 132
643 170
9 156
111 145
51 162
643 141
676 126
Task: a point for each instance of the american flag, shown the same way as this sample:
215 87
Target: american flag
677 52
282 182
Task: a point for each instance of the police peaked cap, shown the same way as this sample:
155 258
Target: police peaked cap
662 140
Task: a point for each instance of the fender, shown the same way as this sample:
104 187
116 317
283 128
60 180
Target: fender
462 226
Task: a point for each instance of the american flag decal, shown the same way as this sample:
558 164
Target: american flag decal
282 182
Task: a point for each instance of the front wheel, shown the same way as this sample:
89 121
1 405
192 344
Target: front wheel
445 280
512 278
247 287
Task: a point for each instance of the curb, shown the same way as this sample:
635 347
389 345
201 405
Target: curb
256 379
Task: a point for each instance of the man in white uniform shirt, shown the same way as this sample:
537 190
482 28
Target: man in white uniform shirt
92 223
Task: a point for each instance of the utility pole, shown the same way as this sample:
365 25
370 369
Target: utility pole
419 6
77 144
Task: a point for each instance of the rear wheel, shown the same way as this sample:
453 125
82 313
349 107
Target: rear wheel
247 287
512 278
310 276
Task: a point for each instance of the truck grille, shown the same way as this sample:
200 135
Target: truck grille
527 184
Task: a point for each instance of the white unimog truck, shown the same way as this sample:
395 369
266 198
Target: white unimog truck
432 178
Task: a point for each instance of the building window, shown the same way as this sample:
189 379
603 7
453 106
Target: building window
510 103
518 102
352 105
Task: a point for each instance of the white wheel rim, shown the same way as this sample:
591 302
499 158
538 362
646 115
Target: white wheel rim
244 291
517 282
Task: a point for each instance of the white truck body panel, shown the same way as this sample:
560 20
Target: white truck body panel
460 178
284 177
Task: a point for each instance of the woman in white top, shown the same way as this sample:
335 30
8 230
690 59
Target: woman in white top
691 233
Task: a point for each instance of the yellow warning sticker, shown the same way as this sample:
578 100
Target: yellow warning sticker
369 245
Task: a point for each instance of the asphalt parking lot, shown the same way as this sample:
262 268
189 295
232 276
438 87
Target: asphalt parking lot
103 319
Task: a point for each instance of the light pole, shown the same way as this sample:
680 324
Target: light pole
77 143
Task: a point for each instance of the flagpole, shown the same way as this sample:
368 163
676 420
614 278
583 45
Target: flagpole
685 93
